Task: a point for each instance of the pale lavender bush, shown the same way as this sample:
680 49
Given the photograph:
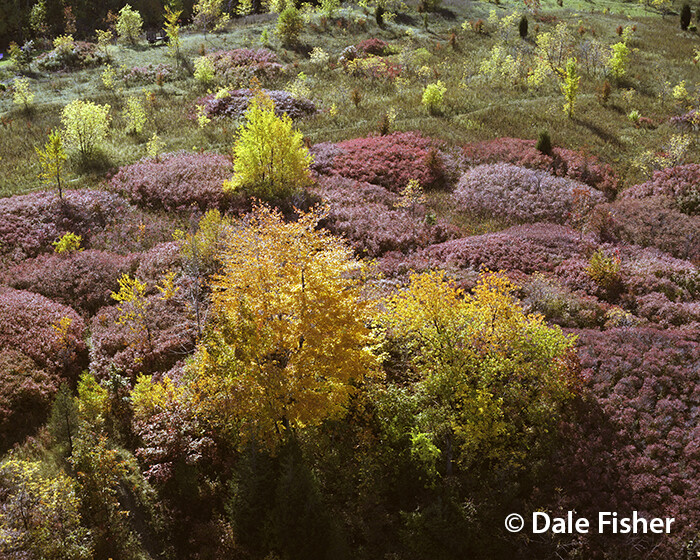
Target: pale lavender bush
523 195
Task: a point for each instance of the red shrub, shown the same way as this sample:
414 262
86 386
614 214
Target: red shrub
372 46
656 222
177 182
235 104
29 324
240 65
564 163
83 280
390 161
681 183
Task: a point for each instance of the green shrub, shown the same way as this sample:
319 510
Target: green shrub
68 243
85 126
433 97
544 143
129 24
204 70
135 116
289 25
23 95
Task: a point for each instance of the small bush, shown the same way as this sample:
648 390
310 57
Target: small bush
204 70
290 25
374 47
433 97
544 143
241 65
85 126
604 269
79 55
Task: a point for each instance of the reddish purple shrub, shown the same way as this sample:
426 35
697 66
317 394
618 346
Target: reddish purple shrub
689 121
155 263
681 183
32 222
29 323
390 161
527 249
26 392
373 46
180 182
563 163
656 222
366 215
166 337
521 194
235 104
659 310
83 280
324 156
647 386
148 74
240 65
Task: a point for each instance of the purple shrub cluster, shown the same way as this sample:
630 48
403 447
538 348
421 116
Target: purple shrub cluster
83 280
646 389
167 334
29 323
244 64
26 392
235 104
563 162
82 55
680 183
656 222
180 182
153 264
526 249
367 216
32 222
689 121
391 161
149 74
324 155
522 195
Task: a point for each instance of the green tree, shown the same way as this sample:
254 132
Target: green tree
85 126
63 420
491 379
569 86
270 157
172 29
617 63
52 159
209 15
129 24
290 25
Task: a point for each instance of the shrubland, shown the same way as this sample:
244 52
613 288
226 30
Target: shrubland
354 280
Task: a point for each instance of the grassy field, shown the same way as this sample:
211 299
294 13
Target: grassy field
476 108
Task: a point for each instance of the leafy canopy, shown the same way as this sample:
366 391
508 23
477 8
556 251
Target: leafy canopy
289 338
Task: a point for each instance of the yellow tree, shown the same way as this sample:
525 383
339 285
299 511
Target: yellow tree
289 339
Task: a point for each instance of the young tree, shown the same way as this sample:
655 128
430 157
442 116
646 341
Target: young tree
270 157
209 15
617 63
129 24
85 125
569 86
289 339
172 29
52 159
